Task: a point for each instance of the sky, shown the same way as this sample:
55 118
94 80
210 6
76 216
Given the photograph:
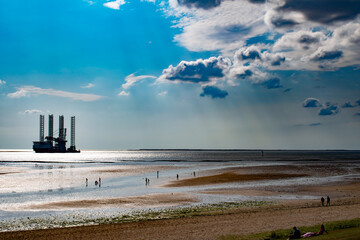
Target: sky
210 74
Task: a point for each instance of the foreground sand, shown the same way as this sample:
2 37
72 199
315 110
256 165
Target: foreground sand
251 220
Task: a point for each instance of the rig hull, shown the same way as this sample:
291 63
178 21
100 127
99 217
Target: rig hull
46 147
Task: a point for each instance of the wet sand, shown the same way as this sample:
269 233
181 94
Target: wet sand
150 200
229 177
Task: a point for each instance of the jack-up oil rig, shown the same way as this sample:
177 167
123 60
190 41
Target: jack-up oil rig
55 144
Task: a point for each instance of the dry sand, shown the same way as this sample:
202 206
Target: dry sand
345 204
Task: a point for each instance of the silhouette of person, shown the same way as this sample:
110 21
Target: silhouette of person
86 181
322 201
177 176
296 234
327 201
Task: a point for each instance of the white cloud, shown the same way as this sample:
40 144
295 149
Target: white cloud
32 111
2 82
223 28
123 93
164 93
114 4
199 71
90 85
32 90
131 79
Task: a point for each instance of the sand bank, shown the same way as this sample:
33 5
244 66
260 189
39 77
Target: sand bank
229 177
150 200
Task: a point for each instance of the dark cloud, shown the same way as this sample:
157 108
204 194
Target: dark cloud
311 103
257 1
358 102
272 83
199 71
330 109
307 39
327 55
230 33
251 55
204 4
277 60
245 74
347 105
213 92
314 124
357 114
324 11
288 90
280 22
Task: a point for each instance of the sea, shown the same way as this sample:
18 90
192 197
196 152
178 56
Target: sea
29 179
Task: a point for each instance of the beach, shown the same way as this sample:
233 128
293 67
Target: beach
282 194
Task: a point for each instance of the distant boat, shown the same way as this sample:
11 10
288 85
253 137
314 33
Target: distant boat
47 146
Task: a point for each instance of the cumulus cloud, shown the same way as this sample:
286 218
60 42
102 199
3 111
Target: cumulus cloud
32 90
223 28
277 19
257 1
199 71
322 55
131 79
248 53
123 93
213 92
348 105
204 4
311 103
299 40
90 85
114 4
329 109
323 11
253 53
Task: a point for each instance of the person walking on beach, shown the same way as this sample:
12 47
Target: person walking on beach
157 174
322 201
327 201
86 182
177 176
296 234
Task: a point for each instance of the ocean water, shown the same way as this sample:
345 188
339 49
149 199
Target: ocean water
28 178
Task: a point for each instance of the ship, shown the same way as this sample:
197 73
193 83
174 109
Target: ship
51 144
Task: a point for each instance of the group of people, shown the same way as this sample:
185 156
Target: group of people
97 183
327 201
297 234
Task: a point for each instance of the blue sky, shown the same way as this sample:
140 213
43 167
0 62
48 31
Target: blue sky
281 74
